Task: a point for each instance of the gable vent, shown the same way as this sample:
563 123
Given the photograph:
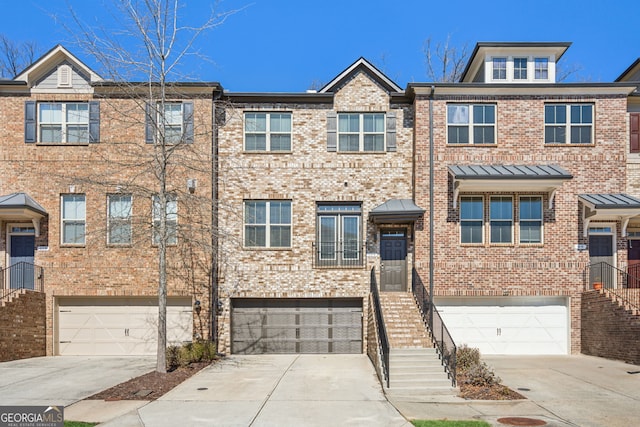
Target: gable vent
64 76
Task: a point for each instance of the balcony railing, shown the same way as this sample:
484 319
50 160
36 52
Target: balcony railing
383 339
625 286
339 254
21 275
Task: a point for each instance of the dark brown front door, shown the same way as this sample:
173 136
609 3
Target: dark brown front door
393 261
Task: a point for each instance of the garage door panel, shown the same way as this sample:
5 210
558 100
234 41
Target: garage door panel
296 325
508 326
119 326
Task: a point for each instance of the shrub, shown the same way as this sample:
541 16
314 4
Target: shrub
472 370
193 352
466 357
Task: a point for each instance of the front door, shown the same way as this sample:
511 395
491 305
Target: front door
21 262
601 251
393 261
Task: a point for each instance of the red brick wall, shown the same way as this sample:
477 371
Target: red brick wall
609 330
22 327
553 268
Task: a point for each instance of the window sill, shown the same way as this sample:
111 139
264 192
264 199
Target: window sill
62 144
472 145
364 152
120 246
72 246
265 248
592 144
267 152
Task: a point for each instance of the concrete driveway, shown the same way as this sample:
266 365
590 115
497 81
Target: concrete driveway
274 390
63 380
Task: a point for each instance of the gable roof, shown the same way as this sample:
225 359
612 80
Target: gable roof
630 72
50 59
362 65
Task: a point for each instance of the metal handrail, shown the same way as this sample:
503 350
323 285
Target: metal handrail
382 330
339 254
439 333
604 276
21 276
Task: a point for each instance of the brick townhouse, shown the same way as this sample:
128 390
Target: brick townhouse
530 182
303 195
77 201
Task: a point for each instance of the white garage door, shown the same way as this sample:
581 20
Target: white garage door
119 326
507 325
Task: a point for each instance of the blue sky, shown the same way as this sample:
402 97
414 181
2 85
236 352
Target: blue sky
286 45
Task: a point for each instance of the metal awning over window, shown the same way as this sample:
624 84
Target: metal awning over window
609 207
396 211
20 207
512 178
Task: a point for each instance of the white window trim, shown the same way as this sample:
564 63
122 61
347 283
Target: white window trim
170 198
513 220
162 119
471 125
483 221
361 133
267 225
63 122
129 221
568 125
65 77
541 242
551 68
267 132
506 68
63 221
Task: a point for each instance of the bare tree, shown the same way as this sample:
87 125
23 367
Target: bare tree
444 61
14 57
151 44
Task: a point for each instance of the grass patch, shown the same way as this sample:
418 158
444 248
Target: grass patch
78 424
449 423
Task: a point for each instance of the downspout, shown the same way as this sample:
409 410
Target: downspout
431 209
213 291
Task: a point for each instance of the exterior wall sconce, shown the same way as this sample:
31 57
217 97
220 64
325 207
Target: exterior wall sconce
192 183
197 306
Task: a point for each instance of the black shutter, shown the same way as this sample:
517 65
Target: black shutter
149 124
391 132
30 123
187 117
94 121
332 131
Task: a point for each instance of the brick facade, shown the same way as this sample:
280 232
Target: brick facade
22 327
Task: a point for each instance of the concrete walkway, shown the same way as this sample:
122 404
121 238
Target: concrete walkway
271 390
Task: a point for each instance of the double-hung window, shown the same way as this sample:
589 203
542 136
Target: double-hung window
361 132
520 68
169 123
339 235
73 219
568 123
119 219
471 219
499 68
530 219
267 223
501 219
471 123
171 215
63 122
541 68
267 131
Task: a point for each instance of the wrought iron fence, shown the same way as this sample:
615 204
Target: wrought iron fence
381 329
439 332
339 254
21 275
622 284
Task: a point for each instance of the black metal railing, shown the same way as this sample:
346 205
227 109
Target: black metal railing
625 286
383 339
21 275
339 254
439 333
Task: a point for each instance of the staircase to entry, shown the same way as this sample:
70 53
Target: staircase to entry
414 365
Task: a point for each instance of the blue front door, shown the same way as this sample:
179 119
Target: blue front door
21 262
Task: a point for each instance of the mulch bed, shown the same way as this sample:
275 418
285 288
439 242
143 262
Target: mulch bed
491 392
149 386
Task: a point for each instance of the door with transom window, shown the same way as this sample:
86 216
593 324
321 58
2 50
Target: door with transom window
393 260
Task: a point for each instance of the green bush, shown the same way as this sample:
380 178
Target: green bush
198 351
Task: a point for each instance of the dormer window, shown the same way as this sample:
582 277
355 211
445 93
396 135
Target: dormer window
499 68
520 68
64 76
541 67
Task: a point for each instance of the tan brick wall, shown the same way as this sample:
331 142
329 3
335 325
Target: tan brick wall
121 160
554 268
22 327
307 175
